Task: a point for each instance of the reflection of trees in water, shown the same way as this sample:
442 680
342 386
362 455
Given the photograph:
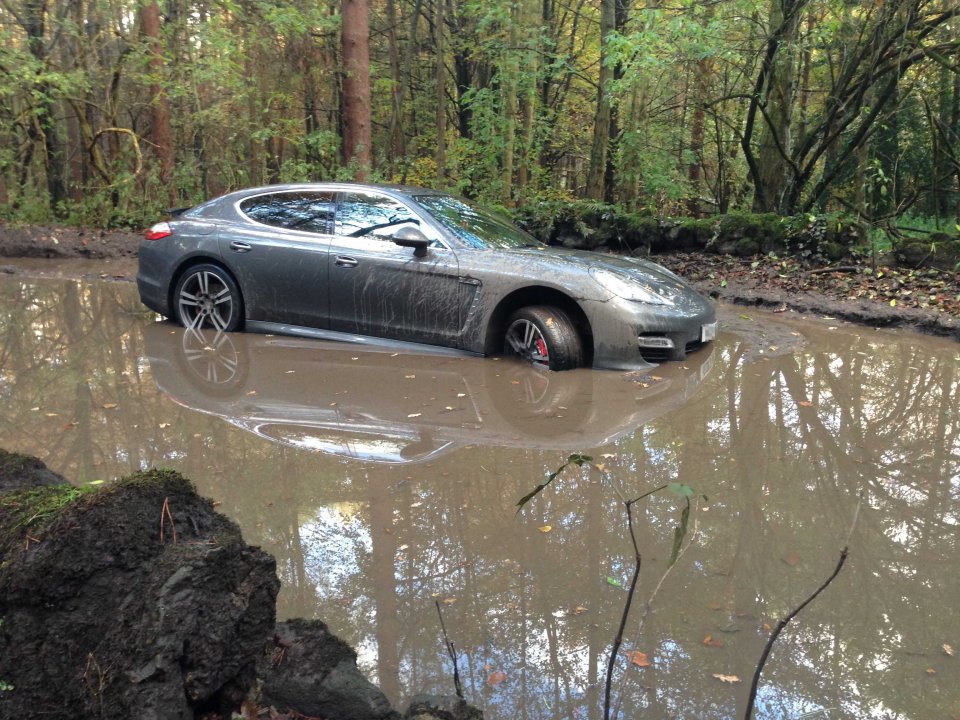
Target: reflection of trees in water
781 447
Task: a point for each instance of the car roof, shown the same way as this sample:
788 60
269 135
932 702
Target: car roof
334 185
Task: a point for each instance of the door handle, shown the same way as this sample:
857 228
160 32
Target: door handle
346 261
240 246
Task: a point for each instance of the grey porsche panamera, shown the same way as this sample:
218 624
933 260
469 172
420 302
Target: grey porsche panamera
369 263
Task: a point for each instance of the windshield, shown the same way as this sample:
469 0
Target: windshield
475 226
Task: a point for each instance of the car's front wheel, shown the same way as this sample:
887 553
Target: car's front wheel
207 296
544 336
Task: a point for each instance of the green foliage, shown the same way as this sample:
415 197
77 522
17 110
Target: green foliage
253 96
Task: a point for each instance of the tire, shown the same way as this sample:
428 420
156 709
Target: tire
206 296
544 337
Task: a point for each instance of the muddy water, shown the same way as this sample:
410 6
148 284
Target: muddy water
385 484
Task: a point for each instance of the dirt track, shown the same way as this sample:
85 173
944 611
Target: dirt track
925 301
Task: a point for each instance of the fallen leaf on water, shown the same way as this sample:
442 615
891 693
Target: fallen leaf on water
614 582
545 528
449 601
805 403
714 606
746 317
792 559
948 649
496 678
767 627
601 466
51 414
711 641
109 406
164 425
416 504
414 415
579 610
409 377
726 678
461 394
931 671
639 659
252 392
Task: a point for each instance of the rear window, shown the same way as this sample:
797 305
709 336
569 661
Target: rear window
307 211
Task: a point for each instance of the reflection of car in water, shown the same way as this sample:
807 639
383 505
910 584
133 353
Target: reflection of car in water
382 406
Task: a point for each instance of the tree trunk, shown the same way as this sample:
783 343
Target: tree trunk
441 79
356 86
160 134
601 122
773 167
509 74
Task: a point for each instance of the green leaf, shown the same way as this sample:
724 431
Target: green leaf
680 532
723 283
684 491
577 459
613 581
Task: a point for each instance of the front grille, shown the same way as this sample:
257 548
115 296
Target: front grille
659 355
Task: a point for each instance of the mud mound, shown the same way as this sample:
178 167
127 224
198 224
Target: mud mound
18 472
110 612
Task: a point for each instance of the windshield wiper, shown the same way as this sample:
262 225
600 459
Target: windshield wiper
392 221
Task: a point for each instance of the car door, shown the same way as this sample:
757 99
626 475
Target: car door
382 289
278 253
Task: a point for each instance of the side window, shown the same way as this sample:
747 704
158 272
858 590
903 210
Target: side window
308 211
376 216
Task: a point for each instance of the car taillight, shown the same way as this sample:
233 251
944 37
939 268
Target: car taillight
159 231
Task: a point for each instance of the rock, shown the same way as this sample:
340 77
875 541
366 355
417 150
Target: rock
314 673
104 618
440 707
18 472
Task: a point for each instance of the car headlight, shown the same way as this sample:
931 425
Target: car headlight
628 289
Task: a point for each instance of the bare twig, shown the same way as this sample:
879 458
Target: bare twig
618 640
165 515
451 652
783 623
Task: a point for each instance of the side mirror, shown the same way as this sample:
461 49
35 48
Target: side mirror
411 237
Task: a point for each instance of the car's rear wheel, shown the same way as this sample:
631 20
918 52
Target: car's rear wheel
545 337
207 296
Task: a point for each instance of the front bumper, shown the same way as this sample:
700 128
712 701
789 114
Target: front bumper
666 332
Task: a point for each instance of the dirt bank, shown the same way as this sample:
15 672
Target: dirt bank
925 299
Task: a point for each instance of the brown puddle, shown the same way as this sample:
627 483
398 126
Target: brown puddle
387 483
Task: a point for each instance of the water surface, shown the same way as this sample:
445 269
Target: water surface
385 484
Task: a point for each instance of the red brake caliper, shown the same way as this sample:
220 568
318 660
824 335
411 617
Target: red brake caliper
541 347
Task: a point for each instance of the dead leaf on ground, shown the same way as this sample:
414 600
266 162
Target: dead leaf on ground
109 406
639 659
495 678
732 679
948 649
545 528
711 641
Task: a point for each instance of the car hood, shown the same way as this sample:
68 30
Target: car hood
635 267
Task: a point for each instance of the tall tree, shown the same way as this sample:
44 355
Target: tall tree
160 134
357 135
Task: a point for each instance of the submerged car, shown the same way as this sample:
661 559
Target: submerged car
369 263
